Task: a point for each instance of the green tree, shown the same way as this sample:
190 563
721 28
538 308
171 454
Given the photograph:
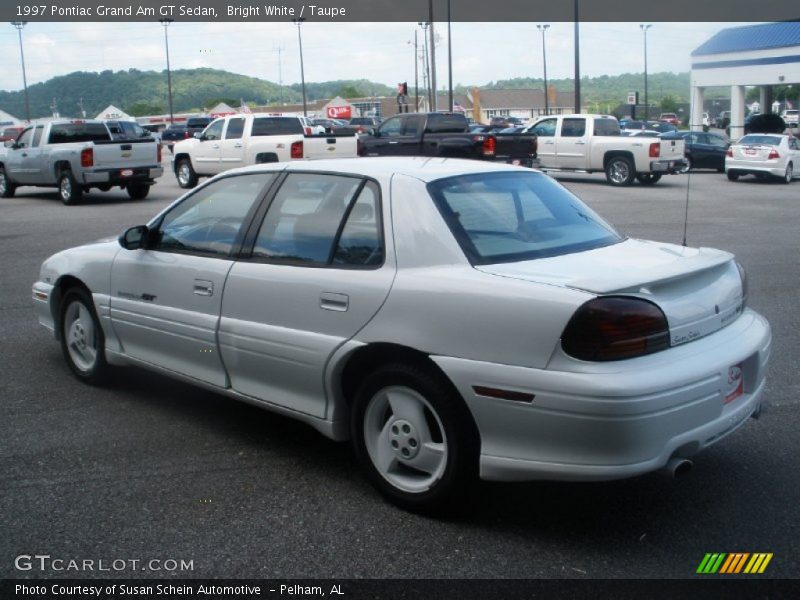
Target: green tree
669 104
143 108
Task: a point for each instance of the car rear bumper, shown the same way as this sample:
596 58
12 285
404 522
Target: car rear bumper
668 166
618 419
744 167
119 177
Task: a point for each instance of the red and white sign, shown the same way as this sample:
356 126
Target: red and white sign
340 112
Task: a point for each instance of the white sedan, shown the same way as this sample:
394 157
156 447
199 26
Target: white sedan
764 155
454 319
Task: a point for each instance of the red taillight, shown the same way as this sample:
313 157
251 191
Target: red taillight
773 154
489 146
655 149
87 157
307 130
186 135
297 149
615 328
729 152
158 152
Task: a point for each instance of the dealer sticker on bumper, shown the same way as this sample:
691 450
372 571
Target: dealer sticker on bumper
735 384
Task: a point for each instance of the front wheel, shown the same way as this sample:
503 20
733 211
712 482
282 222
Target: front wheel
187 178
414 437
620 170
7 188
648 178
82 340
68 189
138 191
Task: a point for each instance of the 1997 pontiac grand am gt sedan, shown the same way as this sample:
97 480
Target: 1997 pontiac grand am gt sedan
454 319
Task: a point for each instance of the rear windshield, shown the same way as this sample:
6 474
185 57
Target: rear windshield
514 216
67 133
766 140
276 126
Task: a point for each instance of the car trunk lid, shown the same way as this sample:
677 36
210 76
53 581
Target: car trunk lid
699 290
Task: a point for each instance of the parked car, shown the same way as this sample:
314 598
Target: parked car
657 126
445 134
702 150
241 140
368 275
127 130
364 124
670 118
763 155
76 156
10 133
790 116
723 119
592 143
183 131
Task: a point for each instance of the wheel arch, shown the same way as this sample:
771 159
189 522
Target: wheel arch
352 369
178 159
63 285
617 153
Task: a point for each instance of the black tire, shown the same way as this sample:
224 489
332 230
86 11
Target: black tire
68 189
648 178
620 170
83 350
733 176
7 188
138 191
185 174
787 177
441 421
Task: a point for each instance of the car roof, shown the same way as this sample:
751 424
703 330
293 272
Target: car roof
420 167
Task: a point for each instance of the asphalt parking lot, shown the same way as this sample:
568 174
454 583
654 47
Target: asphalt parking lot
148 468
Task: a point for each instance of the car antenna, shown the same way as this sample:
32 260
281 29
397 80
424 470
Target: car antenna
686 211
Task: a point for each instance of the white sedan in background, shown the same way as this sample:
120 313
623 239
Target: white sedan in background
764 155
453 318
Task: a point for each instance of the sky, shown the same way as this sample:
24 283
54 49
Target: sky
381 52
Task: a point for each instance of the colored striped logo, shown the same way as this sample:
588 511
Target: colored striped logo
734 563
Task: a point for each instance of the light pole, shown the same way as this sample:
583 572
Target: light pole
449 59
165 23
646 103
434 106
426 71
19 25
416 74
299 22
577 60
543 29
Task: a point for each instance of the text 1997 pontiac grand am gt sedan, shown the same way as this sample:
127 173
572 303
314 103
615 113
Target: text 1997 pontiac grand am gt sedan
454 319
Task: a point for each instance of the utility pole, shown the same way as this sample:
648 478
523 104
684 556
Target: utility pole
577 61
644 29
434 106
165 23
279 49
416 73
19 25
543 29
299 22
426 71
449 59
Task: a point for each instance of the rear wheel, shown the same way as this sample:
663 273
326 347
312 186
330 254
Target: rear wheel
414 437
187 178
733 176
7 188
688 166
620 170
68 188
787 177
648 178
82 340
138 191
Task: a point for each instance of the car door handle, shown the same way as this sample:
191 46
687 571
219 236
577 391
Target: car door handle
580 143
203 287
215 145
333 301
394 142
239 145
550 142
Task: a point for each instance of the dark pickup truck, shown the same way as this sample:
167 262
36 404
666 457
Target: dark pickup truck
445 134
177 132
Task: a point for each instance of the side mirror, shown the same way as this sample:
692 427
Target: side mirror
374 132
10 143
134 238
199 135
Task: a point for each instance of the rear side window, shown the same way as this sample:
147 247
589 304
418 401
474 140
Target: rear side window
446 123
276 126
68 133
512 216
573 127
606 127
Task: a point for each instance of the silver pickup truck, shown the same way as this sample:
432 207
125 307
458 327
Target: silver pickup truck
75 156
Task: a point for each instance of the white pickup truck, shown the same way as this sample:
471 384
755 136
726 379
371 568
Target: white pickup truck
592 143
78 155
241 140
